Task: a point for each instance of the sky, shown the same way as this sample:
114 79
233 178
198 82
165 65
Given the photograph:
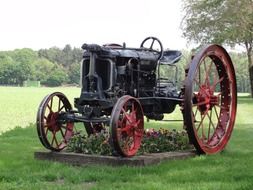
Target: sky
40 24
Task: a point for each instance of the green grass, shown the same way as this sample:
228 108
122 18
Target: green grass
231 169
18 106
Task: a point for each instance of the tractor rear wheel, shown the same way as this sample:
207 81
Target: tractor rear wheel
127 126
210 99
53 134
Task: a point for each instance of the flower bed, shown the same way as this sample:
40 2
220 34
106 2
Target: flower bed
154 141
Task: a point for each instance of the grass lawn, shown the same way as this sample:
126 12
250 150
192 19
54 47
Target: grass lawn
231 169
18 106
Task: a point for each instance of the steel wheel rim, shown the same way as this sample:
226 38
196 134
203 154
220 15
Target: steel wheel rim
127 126
53 135
213 104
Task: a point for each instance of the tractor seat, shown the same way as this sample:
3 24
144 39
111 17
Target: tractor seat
170 57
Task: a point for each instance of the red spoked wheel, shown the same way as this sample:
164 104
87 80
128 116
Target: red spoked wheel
127 126
53 133
210 99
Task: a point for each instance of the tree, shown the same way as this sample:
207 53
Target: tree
65 57
74 73
242 76
6 69
57 77
42 69
16 66
53 54
227 22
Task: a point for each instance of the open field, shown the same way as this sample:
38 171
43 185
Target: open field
18 106
231 169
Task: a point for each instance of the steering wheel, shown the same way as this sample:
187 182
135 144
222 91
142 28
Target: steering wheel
160 53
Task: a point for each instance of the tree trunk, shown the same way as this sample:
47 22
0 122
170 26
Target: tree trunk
250 65
251 79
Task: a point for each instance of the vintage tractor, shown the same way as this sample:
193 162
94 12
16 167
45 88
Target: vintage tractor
121 85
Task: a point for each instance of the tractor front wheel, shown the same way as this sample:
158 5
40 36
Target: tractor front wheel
127 126
53 133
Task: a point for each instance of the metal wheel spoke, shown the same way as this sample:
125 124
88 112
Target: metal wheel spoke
208 73
127 115
216 113
59 105
50 109
217 82
60 109
63 136
126 128
56 142
206 80
46 131
52 142
136 123
200 103
201 87
211 122
63 126
195 113
209 126
202 119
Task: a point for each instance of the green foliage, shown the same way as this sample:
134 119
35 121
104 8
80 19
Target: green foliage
57 77
16 66
41 69
67 67
50 66
227 22
24 55
218 21
74 73
94 144
164 140
65 57
6 69
241 68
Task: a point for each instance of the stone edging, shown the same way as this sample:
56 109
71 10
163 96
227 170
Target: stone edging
87 159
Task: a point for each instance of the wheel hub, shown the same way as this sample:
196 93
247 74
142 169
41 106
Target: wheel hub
52 122
206 99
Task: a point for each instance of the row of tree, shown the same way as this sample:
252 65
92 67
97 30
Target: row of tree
52 67
55 66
